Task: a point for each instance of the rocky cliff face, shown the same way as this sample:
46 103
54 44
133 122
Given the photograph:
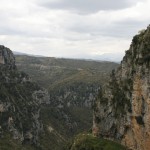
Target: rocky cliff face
20 101
6 56
122 109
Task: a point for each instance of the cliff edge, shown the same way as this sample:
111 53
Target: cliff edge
122 108
20 101
6 56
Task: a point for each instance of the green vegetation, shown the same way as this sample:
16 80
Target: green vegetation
141 40
7 143
52 72
62 130
17 93
119 100
88 142
18 108
67 79
73 85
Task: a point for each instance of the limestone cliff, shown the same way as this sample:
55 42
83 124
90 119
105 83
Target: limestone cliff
6 56
20 101
122 108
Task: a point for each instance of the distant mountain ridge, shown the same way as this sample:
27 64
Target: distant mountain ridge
111 57
26 54
19 53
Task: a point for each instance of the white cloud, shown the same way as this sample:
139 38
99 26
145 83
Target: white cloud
27 26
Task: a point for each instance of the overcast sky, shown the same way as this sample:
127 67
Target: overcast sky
71 28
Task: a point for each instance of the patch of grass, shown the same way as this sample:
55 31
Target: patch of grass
89 142
51 72
7 143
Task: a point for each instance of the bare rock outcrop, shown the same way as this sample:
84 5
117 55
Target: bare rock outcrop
20 101
6 56
122 109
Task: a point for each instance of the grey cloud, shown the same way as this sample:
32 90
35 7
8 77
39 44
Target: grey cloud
6 30
88 6
63 33
119 29
10 29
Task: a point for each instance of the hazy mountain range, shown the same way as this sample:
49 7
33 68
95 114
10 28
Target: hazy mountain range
112 57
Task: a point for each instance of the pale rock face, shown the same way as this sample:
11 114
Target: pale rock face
41 96
20 101
1 108
6 56
122 111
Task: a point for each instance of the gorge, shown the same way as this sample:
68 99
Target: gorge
48 105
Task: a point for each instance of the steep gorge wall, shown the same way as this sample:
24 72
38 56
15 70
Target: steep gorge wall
6 56
20 101
122 109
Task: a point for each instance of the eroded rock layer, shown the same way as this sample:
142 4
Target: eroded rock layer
20 101
122 109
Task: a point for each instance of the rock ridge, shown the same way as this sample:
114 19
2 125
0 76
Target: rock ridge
6 57
20 102
122 108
